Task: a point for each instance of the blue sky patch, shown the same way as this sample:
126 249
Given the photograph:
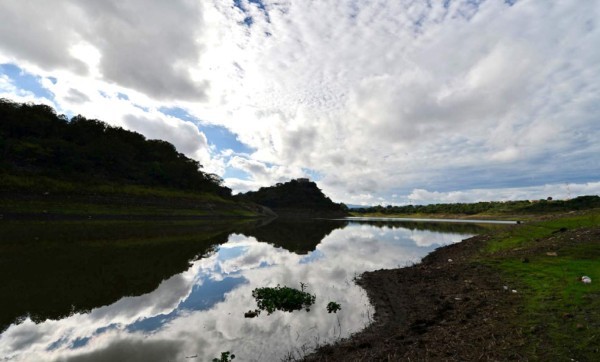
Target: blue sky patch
203 297
123 96
231 253
26 81
219 136
56 344
312 174
312 256
231 172
106 329
248 20
80 342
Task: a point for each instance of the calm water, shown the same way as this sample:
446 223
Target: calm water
178 291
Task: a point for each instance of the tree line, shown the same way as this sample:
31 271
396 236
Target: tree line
492 207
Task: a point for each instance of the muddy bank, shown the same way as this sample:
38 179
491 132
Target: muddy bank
445 308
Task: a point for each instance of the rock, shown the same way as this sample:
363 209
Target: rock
586 280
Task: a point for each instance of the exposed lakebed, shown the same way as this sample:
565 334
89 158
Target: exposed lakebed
195 310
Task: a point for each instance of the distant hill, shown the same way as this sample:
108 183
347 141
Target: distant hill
491 207
299 197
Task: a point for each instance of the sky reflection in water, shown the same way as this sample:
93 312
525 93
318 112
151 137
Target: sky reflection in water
201 312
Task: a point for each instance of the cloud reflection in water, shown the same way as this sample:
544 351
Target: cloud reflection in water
201 312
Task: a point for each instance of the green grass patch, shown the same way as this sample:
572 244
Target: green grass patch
39 195
561 315
42 184
82 208
525 235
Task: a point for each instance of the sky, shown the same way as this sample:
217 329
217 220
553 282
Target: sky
378 101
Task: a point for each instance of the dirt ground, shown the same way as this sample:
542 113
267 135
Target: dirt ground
445 308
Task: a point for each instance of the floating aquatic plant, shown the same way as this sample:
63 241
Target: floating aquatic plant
283 298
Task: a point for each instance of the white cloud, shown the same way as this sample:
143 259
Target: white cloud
379 98
206 326
556 191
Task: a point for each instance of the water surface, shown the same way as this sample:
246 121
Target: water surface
178 291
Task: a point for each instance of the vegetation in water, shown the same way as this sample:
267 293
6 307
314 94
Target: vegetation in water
283 298
333 307
225 357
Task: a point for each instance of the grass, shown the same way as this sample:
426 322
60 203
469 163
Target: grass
527 234
560 315
44 195
88 208
43 184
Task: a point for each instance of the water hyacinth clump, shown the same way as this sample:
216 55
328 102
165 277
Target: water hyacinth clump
333 307
282 298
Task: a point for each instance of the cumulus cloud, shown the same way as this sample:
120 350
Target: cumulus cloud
185 134
150 47
378 98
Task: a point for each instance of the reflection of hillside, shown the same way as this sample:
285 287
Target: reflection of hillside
454 228
49 270
300 236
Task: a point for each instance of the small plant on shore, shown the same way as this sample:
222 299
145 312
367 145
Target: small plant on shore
225 357
333 307
283 298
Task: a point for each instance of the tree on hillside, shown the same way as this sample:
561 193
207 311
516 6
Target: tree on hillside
34 140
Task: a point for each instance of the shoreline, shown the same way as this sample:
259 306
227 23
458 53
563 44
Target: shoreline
461 302
441 313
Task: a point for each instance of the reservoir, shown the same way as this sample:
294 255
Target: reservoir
178 290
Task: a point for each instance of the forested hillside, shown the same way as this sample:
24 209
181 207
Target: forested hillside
295 195
35 141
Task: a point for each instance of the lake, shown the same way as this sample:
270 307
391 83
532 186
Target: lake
178 290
